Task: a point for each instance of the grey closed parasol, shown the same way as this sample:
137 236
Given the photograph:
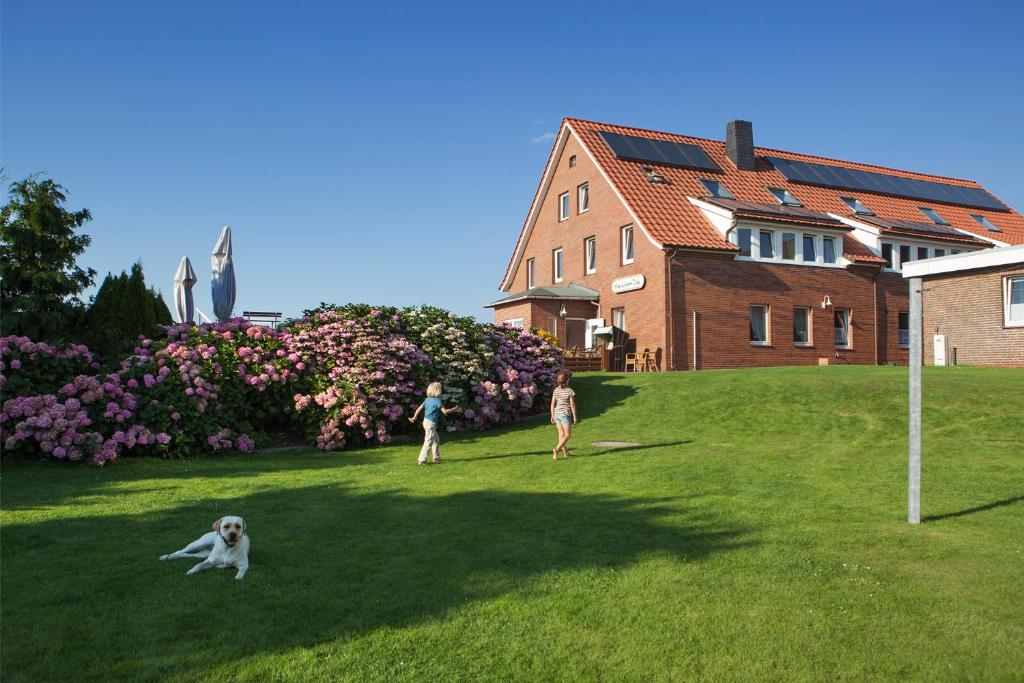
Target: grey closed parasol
222 285
184 304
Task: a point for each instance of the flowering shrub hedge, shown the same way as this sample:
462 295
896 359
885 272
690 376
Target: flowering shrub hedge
342 376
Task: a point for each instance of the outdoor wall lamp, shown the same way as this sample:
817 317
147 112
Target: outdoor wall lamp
561 312
826 302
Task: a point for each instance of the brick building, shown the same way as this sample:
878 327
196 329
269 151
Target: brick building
973 307
720 254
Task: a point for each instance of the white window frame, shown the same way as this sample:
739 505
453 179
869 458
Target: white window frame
628 230
897 259
1007 288
776 236
583 198
590 255
810 326
531 273
563 207
514 322
796 249
767 324
849 328
616 312
557 264
903 341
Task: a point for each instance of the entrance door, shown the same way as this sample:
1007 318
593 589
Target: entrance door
575 333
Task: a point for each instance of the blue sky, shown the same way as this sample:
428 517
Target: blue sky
388 152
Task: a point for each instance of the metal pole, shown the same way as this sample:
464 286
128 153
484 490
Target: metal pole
914 441
695 341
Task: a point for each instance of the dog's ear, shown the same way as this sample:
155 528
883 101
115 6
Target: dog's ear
245 527
216 525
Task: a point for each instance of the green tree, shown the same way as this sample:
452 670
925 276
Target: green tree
122 309
38 262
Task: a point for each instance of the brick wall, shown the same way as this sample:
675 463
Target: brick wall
968 309
721 290
645 308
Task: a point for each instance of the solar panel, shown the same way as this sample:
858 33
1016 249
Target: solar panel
662 152
884 183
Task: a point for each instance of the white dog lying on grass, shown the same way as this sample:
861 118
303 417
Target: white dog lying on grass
226 546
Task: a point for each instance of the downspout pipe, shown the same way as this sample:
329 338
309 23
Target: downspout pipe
671 362
874 287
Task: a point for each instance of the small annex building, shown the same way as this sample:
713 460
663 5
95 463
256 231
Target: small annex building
972 307
719 254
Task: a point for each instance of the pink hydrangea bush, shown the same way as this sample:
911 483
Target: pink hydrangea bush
363 376
344 376
28 367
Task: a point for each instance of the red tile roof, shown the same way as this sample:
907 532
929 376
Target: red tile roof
664 210
671 220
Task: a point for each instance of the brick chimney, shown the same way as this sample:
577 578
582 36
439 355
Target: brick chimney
739 144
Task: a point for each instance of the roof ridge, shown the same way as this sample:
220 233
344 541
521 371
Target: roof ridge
783 151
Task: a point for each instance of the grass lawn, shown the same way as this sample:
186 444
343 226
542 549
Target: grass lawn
757 533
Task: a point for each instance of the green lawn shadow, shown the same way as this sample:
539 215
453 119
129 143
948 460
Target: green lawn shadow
327 563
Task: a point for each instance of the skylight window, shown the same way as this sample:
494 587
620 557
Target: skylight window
857 205
933 215
784 197
985 223
716 189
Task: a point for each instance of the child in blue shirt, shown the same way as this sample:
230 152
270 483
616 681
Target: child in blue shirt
433 408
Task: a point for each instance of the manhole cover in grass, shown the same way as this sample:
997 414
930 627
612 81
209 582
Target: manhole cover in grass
615 444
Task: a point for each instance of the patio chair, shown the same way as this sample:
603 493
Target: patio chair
631 360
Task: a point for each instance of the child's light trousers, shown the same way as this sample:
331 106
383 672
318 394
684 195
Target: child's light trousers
431 442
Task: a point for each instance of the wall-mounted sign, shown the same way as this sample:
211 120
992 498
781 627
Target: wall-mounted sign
628 284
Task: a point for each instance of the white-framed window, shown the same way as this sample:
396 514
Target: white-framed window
515 322
556 264
844 335
563 206
1013 303
802 326
828 249
896 254
627 245
766 244
744 241
619 318
572 161
552 326
932 215
789 246
760 325
903 325
582 198
784 197
590 255
857 205
800 248
810 251
716 188
530 271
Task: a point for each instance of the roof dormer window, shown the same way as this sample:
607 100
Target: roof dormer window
716 188
985 223
784 197
933 215
857 205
